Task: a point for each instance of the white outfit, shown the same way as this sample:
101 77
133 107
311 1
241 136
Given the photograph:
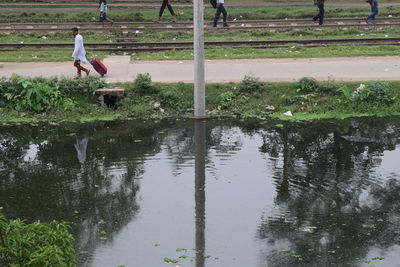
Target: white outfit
79 51
103 7
220 1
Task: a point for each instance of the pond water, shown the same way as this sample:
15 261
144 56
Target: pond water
212 193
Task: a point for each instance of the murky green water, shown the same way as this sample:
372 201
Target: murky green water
220 193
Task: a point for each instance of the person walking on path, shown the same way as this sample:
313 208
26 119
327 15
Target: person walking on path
374 10
321 12
103 9
79 53
220 9
166 3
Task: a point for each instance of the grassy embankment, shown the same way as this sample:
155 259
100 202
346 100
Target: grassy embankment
62 54
308 99
53 54
292 51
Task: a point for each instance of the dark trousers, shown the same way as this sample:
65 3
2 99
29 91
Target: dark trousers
220 9
165 4
320 15
374 10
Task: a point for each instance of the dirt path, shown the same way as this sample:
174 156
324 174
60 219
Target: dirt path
122 70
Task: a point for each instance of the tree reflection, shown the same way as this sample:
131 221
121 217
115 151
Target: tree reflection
331 207
41 178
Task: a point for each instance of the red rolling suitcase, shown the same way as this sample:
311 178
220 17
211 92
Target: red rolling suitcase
99 66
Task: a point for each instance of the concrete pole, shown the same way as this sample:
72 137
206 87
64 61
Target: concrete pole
198 38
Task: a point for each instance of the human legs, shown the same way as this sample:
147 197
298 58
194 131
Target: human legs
162 8
165 3
79 68
216 17
374 11
224 15
220 9
320 15
171 11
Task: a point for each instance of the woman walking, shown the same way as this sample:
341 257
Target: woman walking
166 3
103 9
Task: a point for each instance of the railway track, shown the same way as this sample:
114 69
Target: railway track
125 27
163 46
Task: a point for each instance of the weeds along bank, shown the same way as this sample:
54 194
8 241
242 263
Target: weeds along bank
36 244
60 99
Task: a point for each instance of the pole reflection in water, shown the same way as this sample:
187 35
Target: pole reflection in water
200 194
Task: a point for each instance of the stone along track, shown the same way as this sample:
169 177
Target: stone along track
135 27
130 47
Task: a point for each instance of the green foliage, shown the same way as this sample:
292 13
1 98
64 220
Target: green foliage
41 94
226 99
35 97
36 244
144 86
87 86
307 85
169 260
172 98
251 85
372 92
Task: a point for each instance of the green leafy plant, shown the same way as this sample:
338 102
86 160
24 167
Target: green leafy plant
373 92
307 85
41 94
171 98
226 99
37 97
143 85
251 84
36 244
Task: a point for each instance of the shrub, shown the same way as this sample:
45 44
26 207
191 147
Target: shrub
143 85
25 93
370 92
87 86
36 244
36 97
226 99
251 84
171 98
307 85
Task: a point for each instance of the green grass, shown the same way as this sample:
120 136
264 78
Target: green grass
259 34
57 37
290 52
49 54
187 14
44 55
